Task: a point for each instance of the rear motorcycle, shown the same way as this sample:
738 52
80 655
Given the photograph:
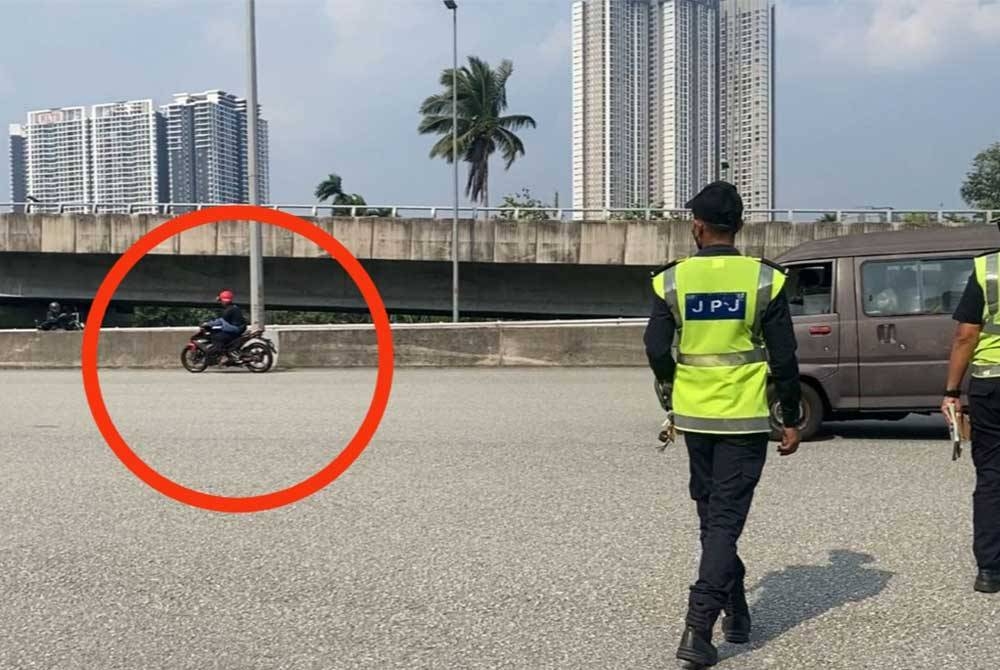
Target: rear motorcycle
251 350
66 321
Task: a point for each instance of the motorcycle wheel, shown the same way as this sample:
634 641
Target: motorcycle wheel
194 360
257 357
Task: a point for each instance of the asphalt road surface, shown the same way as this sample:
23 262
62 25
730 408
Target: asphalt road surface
499 519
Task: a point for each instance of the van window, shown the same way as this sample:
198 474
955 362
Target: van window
932 286
809 289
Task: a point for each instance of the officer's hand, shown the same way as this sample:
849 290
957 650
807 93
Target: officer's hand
951 402
663 393
789 441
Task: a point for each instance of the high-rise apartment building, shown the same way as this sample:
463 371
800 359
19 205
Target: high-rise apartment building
125 153
683 93
129 161
746 106
651 79
207 148
644 98
611 138
58 155
18 164
263 155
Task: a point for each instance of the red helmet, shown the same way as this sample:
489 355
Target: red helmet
225 296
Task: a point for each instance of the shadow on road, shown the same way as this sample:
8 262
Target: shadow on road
910 428
237 370
789 597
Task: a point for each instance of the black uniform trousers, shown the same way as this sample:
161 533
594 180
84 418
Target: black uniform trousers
725 470
984 410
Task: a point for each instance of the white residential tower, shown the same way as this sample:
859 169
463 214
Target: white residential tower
128 158
58 167
122 154
746 106
660 92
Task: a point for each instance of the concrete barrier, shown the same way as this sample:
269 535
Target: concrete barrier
599 343
133 348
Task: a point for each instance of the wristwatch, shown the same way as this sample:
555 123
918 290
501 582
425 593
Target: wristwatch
953 393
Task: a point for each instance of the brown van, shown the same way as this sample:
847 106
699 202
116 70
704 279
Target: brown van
872 315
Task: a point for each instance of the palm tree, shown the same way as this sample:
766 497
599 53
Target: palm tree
482 126
332 189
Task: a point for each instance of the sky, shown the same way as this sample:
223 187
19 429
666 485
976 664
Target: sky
879 102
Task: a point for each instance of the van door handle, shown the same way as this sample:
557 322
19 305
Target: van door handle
820 330
886 333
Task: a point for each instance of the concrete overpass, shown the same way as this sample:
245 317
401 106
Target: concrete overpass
550 268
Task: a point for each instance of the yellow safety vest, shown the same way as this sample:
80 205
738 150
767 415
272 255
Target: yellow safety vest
986 358
718 304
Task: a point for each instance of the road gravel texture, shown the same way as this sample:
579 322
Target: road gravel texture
499 519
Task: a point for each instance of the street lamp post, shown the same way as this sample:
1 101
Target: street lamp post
256 242
453 6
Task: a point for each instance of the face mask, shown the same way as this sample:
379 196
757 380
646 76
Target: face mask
696 236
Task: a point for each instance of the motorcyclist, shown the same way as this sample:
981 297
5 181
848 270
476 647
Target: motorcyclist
54 318
230 324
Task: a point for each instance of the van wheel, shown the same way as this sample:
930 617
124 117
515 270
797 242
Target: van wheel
810 409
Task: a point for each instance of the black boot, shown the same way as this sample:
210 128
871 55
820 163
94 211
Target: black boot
987 581
696 650
736 624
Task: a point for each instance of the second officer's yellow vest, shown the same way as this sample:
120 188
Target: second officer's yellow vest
718 304
986 359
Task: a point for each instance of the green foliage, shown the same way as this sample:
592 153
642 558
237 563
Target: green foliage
153 317
919 219
482 126
332 189
981 189
292 318
526 200
159 317
288 317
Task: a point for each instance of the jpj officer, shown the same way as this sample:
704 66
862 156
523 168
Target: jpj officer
977 339
735 333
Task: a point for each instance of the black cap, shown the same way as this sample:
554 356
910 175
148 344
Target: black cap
719 204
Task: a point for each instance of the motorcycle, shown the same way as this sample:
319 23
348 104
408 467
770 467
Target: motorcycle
250 350
65 321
